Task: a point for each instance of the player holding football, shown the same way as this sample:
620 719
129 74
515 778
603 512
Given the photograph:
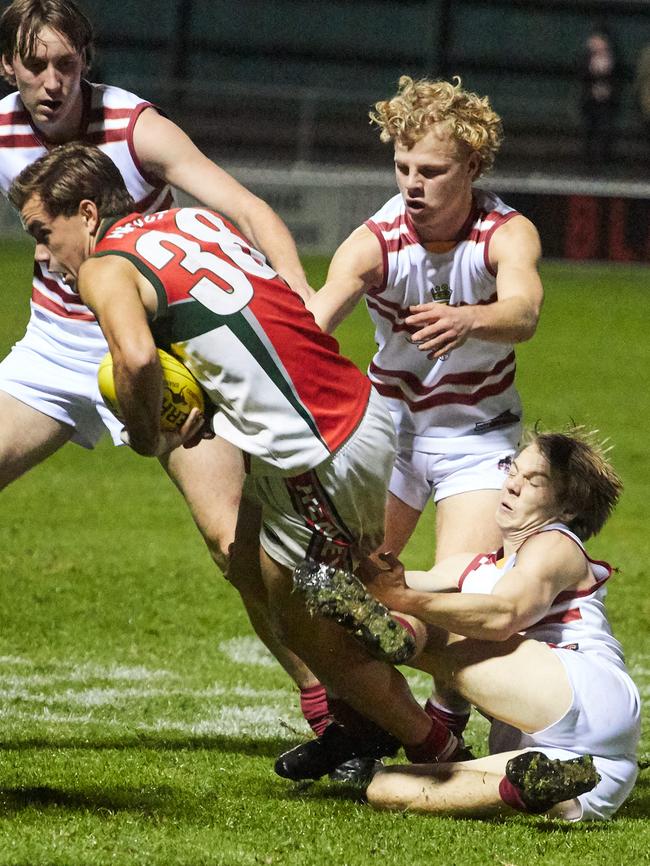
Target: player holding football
449 275
48 383
318 439
523 635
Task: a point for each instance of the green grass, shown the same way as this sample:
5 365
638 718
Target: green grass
140 718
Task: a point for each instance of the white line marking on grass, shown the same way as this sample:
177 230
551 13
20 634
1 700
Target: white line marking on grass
259 721
247 651
101 697
255 721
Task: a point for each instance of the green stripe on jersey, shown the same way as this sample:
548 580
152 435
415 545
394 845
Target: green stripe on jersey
191 319
146 272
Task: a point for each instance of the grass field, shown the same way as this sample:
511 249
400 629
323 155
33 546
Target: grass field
140 718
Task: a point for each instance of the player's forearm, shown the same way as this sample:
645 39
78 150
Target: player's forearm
271 236
330 307
486 617
139 391
512 320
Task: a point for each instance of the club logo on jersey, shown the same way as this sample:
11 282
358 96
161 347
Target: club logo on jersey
441 294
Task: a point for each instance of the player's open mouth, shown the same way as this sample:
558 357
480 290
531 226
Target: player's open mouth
51 105
414 204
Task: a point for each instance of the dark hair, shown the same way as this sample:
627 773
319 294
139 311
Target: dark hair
583 479
67 175
23 20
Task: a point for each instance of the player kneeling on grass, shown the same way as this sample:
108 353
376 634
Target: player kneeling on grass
523 635
319 441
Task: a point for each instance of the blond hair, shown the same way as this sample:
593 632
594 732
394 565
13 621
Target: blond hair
583 479
417 105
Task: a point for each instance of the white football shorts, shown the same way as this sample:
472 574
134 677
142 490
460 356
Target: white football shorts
54 369
335 512
603 721
418 476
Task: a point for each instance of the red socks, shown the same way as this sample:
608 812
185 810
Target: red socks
315 708
438 747
511 796
455 722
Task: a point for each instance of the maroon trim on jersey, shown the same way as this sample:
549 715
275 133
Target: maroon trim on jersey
14 118
500 219
375 229
24 140
479 559
570 594
411 233
417 387
137 111
467 228
41 300
449 397
379 304
146 203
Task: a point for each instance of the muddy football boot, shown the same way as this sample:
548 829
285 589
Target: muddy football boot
542 782
339 595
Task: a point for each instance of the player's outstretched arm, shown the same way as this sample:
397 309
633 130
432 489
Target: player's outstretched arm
166 151
546 565
514 253
356 267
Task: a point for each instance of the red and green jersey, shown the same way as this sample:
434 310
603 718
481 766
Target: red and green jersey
285 394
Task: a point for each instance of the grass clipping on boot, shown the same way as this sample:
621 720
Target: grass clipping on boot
544 781
339 595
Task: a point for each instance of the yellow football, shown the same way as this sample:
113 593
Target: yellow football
181 391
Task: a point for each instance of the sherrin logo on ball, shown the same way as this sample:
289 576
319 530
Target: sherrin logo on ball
181 391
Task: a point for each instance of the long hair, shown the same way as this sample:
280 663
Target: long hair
584 481
22 21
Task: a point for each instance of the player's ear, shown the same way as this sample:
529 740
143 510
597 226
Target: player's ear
8 70
88 211
474 164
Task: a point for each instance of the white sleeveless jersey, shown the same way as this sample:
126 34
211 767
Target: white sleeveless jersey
109 115
576 619
445 406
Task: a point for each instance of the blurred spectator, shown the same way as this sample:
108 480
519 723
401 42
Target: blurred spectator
600 96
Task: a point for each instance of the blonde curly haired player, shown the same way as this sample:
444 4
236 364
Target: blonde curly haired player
418 104
449 275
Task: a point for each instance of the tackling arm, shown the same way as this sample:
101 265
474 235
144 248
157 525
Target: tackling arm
546 565
167 152
356 266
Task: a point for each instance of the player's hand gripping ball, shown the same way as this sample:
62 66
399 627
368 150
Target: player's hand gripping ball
181 391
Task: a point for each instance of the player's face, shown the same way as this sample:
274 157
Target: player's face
62 243
528 499
49 83
435 178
